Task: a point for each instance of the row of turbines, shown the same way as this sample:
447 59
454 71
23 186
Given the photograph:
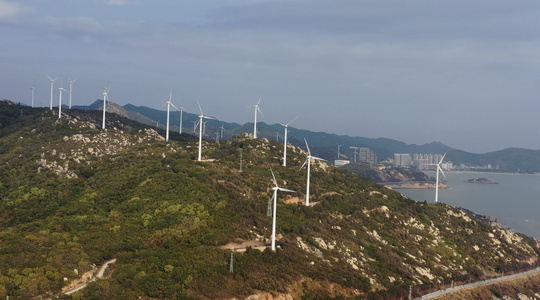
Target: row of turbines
200 124
276 188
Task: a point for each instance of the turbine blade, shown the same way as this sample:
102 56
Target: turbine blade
163 105
269 209
199 107
260 98
291 121
443 157
307 146
174 106
305 162
286 190
440 169
274 177
318 158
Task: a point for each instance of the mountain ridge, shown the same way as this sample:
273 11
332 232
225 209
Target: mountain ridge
325 145
74 195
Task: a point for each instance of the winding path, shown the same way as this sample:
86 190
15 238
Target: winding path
479 283
98 276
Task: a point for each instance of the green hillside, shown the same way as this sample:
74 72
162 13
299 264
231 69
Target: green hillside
73 196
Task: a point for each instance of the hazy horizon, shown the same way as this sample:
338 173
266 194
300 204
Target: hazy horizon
456 72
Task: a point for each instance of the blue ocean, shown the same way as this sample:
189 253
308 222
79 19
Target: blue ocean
514 201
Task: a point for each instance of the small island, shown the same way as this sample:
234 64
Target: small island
481 181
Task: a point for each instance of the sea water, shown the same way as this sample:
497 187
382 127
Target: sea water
514 201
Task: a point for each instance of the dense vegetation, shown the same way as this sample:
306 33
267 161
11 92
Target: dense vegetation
73 196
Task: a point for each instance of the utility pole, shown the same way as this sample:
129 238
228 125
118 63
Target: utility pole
231 268
240 161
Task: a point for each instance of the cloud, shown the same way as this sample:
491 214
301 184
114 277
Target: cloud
10 11
117 2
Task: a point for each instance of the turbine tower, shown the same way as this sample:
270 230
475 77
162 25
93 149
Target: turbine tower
60 90
201 124
276 188
33 94
257 109
437 177
308 161
338 146
169 104
70 90
52 88
181 115
105 98
285 141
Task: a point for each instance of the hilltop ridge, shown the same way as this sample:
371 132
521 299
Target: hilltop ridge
73 195
324 144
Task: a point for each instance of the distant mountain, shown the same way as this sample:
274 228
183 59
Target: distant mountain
325 144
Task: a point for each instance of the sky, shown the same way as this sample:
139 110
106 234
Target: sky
463 73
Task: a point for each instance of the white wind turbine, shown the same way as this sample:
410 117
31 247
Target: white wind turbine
33 93
105 99
257 109
308 161
204 127
71 90
201 124
169 104
52 88
181 115
437 177
285 141
60 90
276 189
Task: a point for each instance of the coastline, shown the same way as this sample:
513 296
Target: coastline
484 172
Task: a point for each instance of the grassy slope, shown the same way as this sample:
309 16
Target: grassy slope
163 215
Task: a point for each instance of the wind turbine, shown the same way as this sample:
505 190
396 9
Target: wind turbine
105 98
60 90
168 103
222 128
308 161
181 115
201 124
257 109
33 93
52 88
285 141
204 127
338 146
70 90
195 124
437 177
276 189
